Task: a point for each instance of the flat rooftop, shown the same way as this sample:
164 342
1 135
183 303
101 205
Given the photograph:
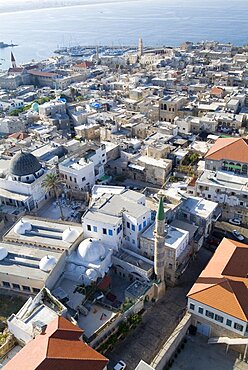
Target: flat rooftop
23 261
174 236
224 179
135 260
199 207
97 317
44 233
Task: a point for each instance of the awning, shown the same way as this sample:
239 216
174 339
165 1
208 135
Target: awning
15 196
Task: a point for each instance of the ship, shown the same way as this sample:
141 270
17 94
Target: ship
4 45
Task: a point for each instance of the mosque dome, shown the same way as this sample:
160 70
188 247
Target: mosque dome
69 235
21 227
3 253
23 164
91 274
47 263
91 250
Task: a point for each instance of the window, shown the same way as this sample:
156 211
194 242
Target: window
70 178
26 288
89 227
209 196
140 227
218 318
110 232
16 286
128 225
228 322
83 179
200 310
192 306
120 227
144 224
238 326
75 180
6 284
133 241
133 227
95 229
209 314
36 290
241 203
170 266
104 231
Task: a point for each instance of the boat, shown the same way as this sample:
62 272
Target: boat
4 45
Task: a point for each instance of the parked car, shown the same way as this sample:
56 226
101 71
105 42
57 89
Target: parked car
237 235
235 221
120 365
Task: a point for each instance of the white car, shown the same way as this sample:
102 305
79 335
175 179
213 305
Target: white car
235 221
120 365
238 235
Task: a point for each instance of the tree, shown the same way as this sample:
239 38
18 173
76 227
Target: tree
53 183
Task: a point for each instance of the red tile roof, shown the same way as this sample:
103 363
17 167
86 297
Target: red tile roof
223 283
42 74
58 348
234 149
18 135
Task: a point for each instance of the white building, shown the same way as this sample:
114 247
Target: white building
81 171
21 187
176 246
117 219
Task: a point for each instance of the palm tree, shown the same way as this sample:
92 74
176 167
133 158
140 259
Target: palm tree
53 183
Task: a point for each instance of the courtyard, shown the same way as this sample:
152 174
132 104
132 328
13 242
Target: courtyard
197 354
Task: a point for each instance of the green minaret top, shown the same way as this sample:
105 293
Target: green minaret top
160 213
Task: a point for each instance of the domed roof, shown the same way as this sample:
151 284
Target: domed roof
91 250
3 253
21 227
91 274
47 263
23 164
69 235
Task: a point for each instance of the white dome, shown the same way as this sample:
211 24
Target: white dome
47 263
91 274
91 250
3 253
21 227
69 235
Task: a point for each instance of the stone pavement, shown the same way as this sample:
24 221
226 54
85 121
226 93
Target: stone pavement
199 355
159 320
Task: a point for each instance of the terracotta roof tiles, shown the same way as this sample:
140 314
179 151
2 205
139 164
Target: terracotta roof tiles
234 149
223 283
58 348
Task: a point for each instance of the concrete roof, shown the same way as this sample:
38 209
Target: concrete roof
23 261
45 233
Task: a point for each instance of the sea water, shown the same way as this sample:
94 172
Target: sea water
159 22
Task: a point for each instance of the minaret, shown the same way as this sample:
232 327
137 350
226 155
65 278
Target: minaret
159 248
13 61
140 47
